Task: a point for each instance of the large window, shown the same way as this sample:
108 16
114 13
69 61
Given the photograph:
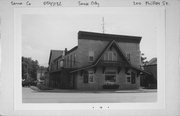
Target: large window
110 76
110 56
91 56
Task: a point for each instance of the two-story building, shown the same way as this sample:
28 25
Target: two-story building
98 59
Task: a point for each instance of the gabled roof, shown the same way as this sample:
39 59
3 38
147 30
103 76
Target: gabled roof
101 55
71 50
108 37
152 61
54 54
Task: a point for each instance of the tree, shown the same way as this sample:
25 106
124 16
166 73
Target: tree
29 68
143 59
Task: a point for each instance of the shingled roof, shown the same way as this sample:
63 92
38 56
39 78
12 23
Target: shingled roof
54 54
152 61
108 37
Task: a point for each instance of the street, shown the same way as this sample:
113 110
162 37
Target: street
32 96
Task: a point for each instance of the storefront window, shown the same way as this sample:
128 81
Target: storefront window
110 76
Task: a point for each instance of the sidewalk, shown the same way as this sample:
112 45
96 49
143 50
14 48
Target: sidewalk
94 91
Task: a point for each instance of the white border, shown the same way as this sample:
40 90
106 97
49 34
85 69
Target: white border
18 105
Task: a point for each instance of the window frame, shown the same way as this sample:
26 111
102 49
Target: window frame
91 75
109 54
132 80
128 55
112 73
91 55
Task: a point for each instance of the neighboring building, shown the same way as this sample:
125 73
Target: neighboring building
98 59
41 74
150 81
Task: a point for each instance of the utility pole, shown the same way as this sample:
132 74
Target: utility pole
103 25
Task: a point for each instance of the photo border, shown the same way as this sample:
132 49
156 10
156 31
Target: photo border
18 105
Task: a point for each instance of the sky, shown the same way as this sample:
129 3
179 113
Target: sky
44 32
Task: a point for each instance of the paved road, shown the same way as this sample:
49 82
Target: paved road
31 96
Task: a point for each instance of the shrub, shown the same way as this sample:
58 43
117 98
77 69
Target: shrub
110 86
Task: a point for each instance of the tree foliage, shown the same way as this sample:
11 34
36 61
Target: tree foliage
143 59
29 68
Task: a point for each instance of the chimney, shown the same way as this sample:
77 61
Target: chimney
65 51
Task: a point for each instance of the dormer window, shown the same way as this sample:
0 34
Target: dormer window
91 56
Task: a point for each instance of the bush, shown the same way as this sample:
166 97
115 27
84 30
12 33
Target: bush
110 86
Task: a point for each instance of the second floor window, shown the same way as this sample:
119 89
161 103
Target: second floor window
110 56
91 56
128 56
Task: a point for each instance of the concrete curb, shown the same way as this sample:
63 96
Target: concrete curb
102 91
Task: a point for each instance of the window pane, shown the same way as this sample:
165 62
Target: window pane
128 79
133 79
128 56
114 56
110 56
91 58
110 78
91 78
110 72
91 55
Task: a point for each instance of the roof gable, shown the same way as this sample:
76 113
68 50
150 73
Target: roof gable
113 42
119 50
152 61
54 54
